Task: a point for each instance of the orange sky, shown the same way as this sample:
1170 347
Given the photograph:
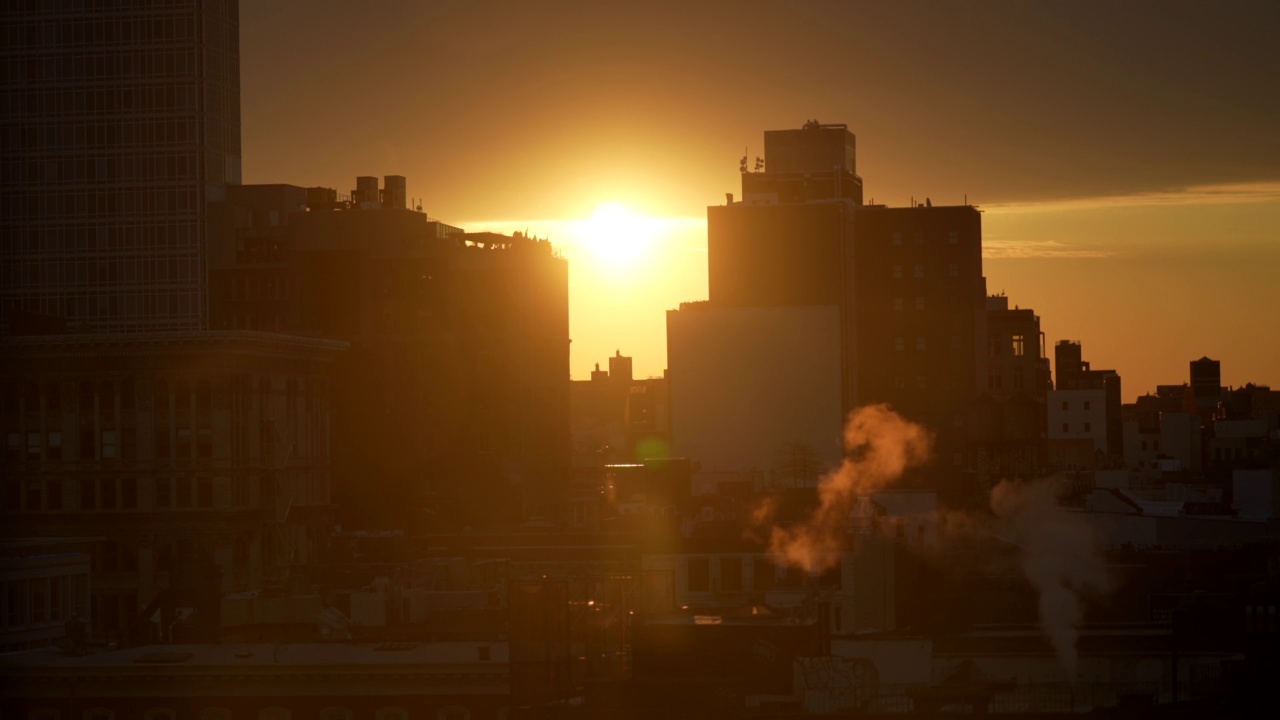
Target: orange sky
1125 155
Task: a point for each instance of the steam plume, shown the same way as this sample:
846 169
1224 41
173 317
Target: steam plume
1059 556
879 446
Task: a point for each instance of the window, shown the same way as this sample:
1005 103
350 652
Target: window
731 574
762 574
995 382
453 712
899 344
897 303
1019 345
919 271
921 382
1017 381
953 270
919 342
1066 427
164 492
1086 404
953 237
183 494
955 342
919 237
919 303
699 569
897 271
899 383
1087 427
897 238
1064 405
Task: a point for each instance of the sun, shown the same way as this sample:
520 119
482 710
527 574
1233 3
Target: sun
615 235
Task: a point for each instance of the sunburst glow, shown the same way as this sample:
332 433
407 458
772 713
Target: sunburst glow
616 236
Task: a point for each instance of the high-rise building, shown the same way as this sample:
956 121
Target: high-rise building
121 131
904 284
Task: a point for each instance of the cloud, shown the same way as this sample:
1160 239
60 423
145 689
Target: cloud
1221 194
1025 249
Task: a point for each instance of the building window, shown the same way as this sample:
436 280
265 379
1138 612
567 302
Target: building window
1064 405
699 574
1066 427
899 383
1017 381
1087 427
897 238
995 382
897 271
897 303
1086 404
919 271
1019 345
731 574
919 342
919 237
953 270
953 237
899 344
955 342
919 303
453 712
920 382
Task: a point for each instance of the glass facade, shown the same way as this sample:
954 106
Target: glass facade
120 124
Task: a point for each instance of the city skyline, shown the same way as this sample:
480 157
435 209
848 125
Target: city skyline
1131 202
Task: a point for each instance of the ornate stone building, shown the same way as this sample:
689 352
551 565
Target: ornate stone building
201 459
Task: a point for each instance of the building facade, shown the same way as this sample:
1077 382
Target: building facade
200 460
121 134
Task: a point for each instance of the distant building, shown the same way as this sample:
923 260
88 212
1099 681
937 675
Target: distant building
1007 424
1085 403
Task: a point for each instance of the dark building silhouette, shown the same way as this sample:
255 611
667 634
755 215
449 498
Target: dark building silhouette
121 134
906 284
1007 427
451 405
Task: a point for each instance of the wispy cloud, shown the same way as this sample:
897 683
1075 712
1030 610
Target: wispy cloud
1223 194
1024 249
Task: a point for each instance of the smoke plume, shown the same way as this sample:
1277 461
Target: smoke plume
880 446
1059 556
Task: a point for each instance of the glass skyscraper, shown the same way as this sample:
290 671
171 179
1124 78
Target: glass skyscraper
120 129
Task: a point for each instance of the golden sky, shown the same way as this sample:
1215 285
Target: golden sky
1126 155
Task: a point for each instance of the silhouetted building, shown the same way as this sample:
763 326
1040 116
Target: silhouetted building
1007 424
121 135
903 285
452 404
